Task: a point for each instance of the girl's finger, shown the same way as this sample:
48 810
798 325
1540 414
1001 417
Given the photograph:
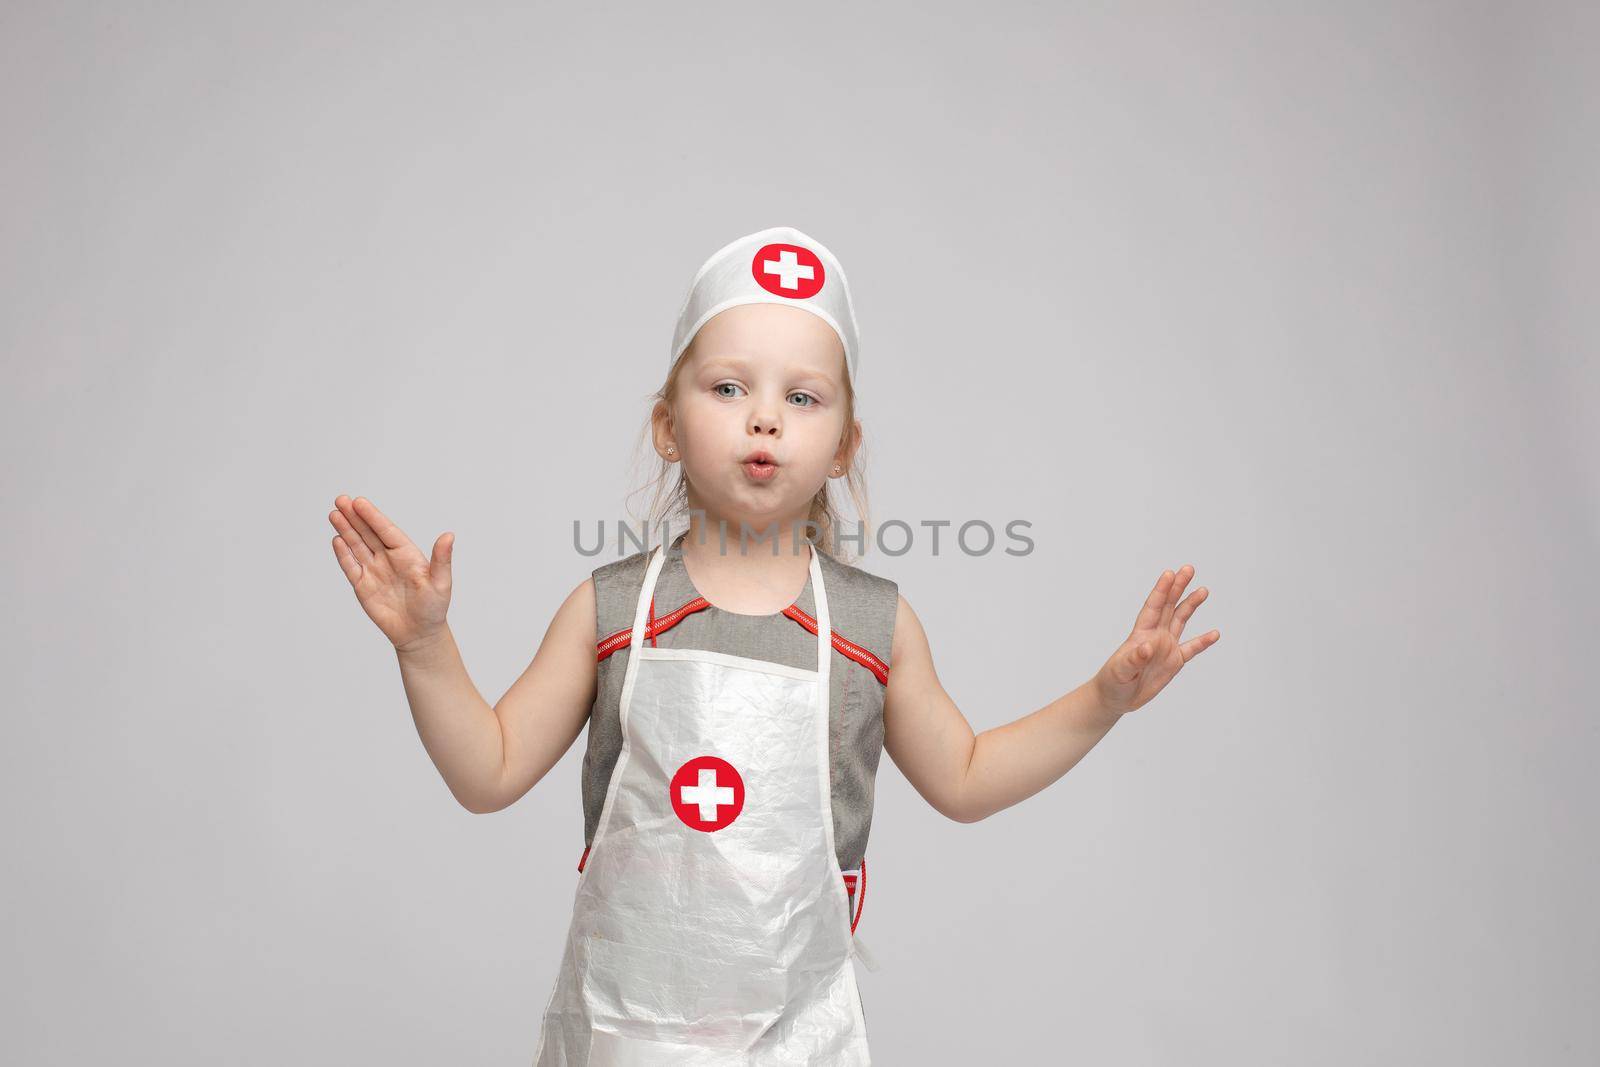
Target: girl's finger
1134 659
1191 649
352 540
1180 618
390 534
364 531
439 569
347 561
1150 613
1180 580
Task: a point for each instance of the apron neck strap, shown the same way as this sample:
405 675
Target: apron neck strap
819 595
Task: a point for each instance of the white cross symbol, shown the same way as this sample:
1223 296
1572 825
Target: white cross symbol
708 794
788 269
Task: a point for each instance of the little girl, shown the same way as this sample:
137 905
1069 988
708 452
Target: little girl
738 690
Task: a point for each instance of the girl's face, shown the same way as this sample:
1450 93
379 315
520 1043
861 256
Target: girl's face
759 378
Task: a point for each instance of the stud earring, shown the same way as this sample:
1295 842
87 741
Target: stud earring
836 468
671 449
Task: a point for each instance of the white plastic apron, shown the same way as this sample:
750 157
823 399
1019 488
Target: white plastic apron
711 924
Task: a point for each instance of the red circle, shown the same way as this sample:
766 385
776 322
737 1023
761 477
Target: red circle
715 794
788 270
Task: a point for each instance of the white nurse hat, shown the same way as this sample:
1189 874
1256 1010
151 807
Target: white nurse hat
779 265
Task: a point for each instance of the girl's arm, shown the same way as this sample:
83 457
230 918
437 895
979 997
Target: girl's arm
967 777
964 777
488 756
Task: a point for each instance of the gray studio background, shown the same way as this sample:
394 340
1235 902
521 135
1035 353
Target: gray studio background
1289 292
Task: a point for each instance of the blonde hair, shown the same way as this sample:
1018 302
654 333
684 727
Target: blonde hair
672 502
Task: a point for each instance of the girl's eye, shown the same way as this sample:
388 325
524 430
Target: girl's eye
719 388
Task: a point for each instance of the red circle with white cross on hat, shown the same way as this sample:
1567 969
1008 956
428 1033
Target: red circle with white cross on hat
788 270
707 793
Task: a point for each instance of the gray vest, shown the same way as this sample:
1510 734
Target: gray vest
862 607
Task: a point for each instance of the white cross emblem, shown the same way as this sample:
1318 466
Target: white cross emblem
708 794
788 268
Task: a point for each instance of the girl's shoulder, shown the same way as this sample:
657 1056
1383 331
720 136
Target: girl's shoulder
616 591
627 566
868 600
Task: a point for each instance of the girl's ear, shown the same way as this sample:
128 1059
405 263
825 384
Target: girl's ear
847 450
661 430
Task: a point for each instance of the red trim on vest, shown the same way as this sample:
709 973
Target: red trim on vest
859 899
584 857
843 645
611 642
622 638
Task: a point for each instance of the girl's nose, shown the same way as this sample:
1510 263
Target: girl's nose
764 420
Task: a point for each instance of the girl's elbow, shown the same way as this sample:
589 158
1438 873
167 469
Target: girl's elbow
959 813
484 804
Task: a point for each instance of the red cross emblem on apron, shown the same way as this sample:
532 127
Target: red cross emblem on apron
707 793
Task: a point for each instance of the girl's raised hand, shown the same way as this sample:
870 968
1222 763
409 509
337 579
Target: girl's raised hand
1151 655
399 588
